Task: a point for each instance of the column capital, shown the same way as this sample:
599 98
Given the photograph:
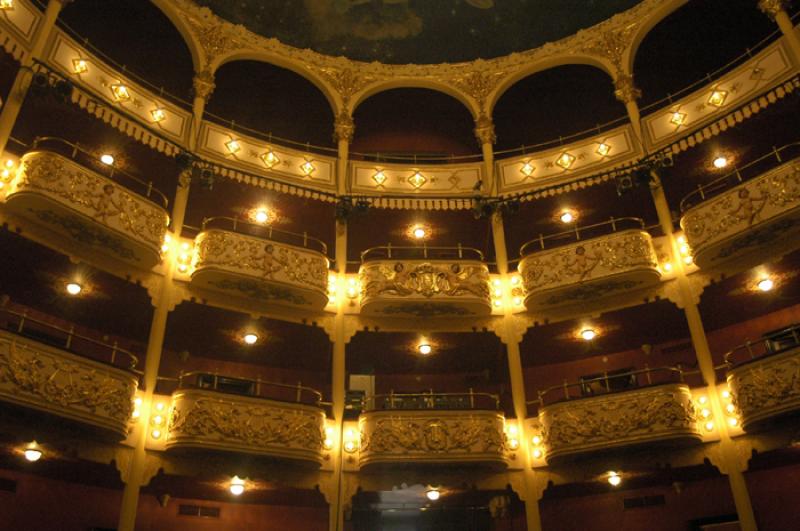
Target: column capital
484 129
625 89
343 127
203 84
771 8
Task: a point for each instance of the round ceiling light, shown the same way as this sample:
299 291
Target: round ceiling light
424 349
567 216
614 479
419 233
32 452
588 334
250 338
236 486
720 162
107 159
433 494
766 284
261 216
73 288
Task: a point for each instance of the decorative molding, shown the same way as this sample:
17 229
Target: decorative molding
429 180
343 127
45 378
771 8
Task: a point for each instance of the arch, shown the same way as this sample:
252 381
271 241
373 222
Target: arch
660 12
179 21
541 66
412 83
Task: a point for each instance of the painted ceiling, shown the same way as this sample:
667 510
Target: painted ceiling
417 31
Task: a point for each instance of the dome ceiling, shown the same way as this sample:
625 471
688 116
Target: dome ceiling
417 31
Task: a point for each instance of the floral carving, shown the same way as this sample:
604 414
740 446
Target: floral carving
428 279
64 385
767 387
592 259
771 8
624 418
101 199
743 207
425 436
264 259
264 426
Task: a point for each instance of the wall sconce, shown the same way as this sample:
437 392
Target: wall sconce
350 442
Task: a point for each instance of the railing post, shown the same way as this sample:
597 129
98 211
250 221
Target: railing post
702 192
391 398
216 381
234 224
541 240
750 349
299 391
22 321
69 337
389 250
258 385
460 251
794 336
425 250
647 374
605 377
471 399
577 233
305 239
613 224
114 353
149 188
566 390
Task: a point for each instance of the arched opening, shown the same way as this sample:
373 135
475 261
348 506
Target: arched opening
273 101
555 103
134 34
695 41
413 121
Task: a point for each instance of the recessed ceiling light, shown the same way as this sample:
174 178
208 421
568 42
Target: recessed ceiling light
766 284
588 334
237 486
419 233
433 494
261 216
73 288
107 159
424 349
567 216
720 162
250 338
614 479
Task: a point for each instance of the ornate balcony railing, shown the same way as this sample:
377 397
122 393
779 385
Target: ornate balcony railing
68 195
231 422
604 418
733 217
443 428
424 282
764 377
261 264
565 269
42 377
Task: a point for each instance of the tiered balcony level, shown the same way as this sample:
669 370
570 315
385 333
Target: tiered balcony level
213 412
584 265
62 191
737 223
424 282
764 377
649 406
432 428
52 370
260 264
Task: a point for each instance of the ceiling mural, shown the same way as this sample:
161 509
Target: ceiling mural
417 31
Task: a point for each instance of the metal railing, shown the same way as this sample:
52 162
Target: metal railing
750 171
767 345
431 400
577 233
266 232
257 388
26 326
673 375
423 252
74 151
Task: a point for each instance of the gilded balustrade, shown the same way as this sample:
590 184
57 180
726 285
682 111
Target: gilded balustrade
94 212
263 265
620 263
424 282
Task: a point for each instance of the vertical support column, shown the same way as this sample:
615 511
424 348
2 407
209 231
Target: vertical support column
625 91
164 303
730 462
22 82
484 132
776 10
203 84
512 339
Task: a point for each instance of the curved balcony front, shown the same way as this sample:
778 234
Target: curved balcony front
619 264
739 223
424 282
246 416
659 412
71 202
454 429
47 375
764 378
262 265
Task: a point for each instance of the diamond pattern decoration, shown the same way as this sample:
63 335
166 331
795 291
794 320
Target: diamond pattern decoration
6 5
603 149
678 118
233 146
717 98
80 66
158 114
120 92
527 169
307 168
379 178
417 180
566 160
270 159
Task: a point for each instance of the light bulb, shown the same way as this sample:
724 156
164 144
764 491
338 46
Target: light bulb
32 452
537 440
720 162
250 338
107 159
588 334
425 349
766 284
537 453
433 494
262 216
614 479
237 486
709 426
567 217
73 288
733 421
419 233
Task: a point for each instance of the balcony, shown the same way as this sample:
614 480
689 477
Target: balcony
615 259
457 429
649 406
424 282
764 377
260 264
228 414
733 221
55 371
82 206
